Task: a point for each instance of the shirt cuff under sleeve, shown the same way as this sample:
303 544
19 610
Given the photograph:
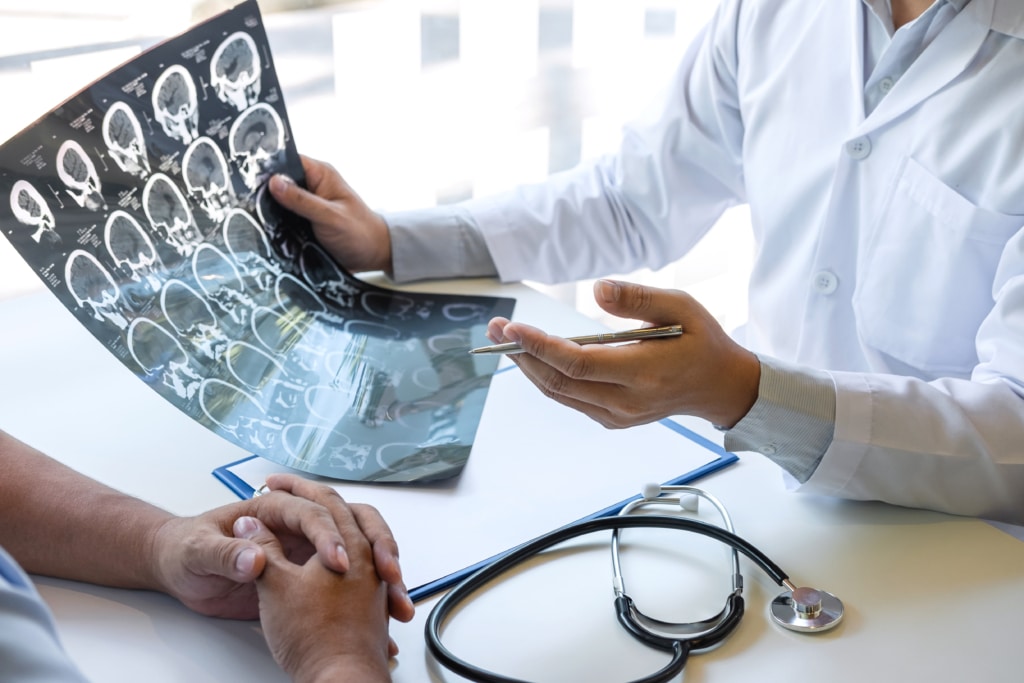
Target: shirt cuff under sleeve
440 242
793 419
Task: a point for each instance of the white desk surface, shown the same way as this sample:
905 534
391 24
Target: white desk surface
929 597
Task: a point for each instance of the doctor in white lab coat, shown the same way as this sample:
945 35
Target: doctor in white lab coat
880 148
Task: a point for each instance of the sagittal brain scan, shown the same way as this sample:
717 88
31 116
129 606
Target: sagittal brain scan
30 208
235 71
141 203
169 214
132 250
257 144
175 104
206 175
76 169
123 137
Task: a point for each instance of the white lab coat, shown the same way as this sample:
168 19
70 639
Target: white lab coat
890 249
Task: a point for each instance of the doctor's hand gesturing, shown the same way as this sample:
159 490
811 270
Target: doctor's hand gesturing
702 373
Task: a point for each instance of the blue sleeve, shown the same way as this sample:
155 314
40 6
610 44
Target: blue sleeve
30 651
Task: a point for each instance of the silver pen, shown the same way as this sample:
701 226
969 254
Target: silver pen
603 338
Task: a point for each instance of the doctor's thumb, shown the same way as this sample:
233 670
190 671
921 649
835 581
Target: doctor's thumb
638 302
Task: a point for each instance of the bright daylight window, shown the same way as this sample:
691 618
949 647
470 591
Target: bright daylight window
416 102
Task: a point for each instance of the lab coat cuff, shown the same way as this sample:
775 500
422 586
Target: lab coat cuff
793 419
843 458
440 242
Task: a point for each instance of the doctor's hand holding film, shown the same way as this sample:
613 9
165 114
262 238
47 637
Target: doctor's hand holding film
342 222
703 372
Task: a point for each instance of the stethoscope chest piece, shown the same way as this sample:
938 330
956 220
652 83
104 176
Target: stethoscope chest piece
807 610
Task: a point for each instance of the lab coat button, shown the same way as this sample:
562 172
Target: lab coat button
885 85
859 149
825 282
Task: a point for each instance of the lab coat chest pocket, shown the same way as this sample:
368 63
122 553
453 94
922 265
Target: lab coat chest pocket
925 282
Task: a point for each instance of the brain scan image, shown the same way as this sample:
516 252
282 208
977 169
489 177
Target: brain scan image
259 372
169 214
220 281
94 289
252 366
341 455
193 319
162 357
236 411
288 243
276 332
235 71
207 178
249 247
245 239
79 174
122 134
175 104
132 250
29 208
324 274
257 143
295 295
268 211
141 203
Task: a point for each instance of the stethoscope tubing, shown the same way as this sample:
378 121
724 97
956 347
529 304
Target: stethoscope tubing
448 602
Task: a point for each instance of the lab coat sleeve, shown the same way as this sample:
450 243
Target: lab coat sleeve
793 419
679 167
951 444
438 242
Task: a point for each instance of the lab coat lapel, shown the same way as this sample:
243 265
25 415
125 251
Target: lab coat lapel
857 75
1008 17
941 62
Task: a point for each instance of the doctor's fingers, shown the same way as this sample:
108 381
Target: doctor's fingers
325 182
308 204
495 329
613 404
328 201
552 350
652 304
637 363
602 402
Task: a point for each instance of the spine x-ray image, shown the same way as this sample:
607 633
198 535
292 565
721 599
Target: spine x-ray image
141 203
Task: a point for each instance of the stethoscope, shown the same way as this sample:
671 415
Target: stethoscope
800 609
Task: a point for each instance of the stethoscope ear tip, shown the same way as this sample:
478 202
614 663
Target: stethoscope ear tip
651 491
807 610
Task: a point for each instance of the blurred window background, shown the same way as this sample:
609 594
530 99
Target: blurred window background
416 102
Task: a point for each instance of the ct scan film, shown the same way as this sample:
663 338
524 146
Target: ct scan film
141 203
